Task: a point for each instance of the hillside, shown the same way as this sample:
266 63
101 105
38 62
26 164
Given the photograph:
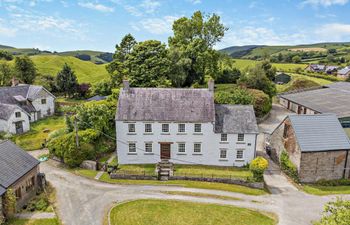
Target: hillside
86 72
310 53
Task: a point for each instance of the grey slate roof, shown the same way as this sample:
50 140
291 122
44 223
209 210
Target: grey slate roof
320 132
6 111
332 98
344 71
14 163
234 119
166 104
7 96
2 191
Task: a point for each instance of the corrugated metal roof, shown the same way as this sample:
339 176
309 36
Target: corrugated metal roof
166 104
14 163
333 98
235 119
320 132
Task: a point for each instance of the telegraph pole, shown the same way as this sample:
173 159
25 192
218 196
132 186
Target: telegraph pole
76 131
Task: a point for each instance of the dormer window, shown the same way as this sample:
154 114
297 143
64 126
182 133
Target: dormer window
43 101
18 114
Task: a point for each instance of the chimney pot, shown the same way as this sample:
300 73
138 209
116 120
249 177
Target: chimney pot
211 85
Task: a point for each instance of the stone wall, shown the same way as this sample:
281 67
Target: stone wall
322 165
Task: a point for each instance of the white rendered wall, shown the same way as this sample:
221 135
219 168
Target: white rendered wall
44 108
210 142
9 125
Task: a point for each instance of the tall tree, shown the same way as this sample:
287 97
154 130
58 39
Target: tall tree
66 81
25 69
149 65
195 38
270 71
117 68
6 73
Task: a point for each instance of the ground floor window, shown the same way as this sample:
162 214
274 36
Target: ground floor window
239 154
148 146
30 184
181 147
132 147
223 153
18 193
197 148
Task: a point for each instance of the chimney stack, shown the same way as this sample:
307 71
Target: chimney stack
14 82
211 85
126 85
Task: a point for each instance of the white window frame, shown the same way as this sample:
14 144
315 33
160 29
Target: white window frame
43 100
198 128
133 148
133 126
241 156
19 114
240 137
179 149
165 130
195 147
221 153
181 128
148 128
223 139
148 147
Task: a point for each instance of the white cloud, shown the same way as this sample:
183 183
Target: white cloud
195 2
158 25
145 7
334 31
96 6
324 3
132 10
150 6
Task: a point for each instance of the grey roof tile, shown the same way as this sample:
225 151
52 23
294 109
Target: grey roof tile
320 132
234 119
166 104
6 111
7 96
14 163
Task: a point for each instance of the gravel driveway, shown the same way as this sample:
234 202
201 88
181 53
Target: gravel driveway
83 201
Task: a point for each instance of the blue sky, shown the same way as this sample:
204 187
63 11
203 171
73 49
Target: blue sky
60 25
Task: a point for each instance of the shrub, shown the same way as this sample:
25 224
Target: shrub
228 76
9 203
257 167
288 167
336 213
234 96
262 102
56 133
341 182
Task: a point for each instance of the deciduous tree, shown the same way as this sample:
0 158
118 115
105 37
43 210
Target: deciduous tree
25 69
66 81
6 73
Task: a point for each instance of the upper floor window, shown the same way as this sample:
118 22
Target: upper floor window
148 128
182 128
239 154
197 147
148 146
223 153
43 101
181 147
132 147
240 137
131 127
18 114
165 128
197 128
223 137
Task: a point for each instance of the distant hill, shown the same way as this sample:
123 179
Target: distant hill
96 57
320 50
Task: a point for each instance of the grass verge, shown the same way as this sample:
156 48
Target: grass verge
162 212
326 190
53 221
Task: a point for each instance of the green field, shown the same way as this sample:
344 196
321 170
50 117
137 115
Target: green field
245 63
33 222
87 72
39 132
326 190
162 212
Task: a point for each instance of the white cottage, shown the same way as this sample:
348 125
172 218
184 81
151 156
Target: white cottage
183 126
22 104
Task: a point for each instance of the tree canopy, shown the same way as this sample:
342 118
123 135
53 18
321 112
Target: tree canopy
66 81
25 69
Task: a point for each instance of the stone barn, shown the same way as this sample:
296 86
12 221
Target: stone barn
316 144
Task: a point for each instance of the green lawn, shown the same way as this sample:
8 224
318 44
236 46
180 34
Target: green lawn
40 130
85 173
189 184
326 190
33 222
160 212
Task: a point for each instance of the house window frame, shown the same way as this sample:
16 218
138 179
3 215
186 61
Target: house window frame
181 128
148 147
18 114
195 148
165 125
241 156
197 128
134 147
184 147
43 101
221 153
225 137
148 128
131 128
240 137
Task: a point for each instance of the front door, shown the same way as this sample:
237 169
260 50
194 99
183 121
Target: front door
164 151
19 127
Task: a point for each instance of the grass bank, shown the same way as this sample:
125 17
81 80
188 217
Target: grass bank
326 190
53 221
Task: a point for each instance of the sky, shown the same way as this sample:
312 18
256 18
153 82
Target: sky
62 25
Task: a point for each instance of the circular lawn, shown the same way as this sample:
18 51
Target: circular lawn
169 212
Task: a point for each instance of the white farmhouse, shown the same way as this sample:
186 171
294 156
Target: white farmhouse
183 126
22 104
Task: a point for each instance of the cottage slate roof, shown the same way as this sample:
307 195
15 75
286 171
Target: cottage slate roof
332 98
234 119
320 132
2 191
344 71
6 111
318 66
14 163
7 97
166 104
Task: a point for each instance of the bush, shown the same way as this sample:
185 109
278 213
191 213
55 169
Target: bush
341 182
288 167
257 167
262 102
336 213
228 76
9 203
234 96
56 133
